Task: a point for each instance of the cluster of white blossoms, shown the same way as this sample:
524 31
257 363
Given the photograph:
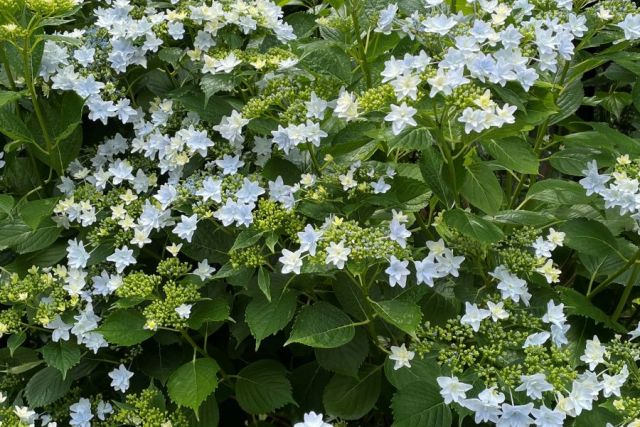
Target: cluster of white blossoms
619 190
492 406
142 180
500 42
128 41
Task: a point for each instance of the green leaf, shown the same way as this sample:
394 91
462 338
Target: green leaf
557 191
404 315
15 341
264 282
573 159
215 310
193 382
45 387
481 188
265 317
431 169
19 236
352 398
577 304
6 203
513 153
12 126
473 226
421 370
322 325
7 97
62 355
324 57
523 217
35 211
419 404
208 414
246 238
346 359
263 387
277 167
589 236
412 139
569 101
125 328
212 84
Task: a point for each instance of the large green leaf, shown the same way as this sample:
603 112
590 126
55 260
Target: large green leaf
419 404
62 355
214 310
557 191
421 370
481 188
324 57
346 359
322 325
193 382
513 153
45 387
589 236
352 398
125 328
263 387
266 317
404 315
579 305
473 226
431 169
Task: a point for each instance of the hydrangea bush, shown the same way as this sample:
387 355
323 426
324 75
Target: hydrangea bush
319 213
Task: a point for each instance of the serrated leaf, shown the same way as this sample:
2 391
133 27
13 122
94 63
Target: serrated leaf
45 387
557 191
421 370
352 398
322 325
193 382
264 282
419 404
265 317
577 304
213 84
215 310
481 188
263 387
431 169
346 359
62 355
513 153
125 328
404 315
589 236
15 341
473 226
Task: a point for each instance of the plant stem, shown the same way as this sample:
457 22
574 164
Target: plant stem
26 54
613 276
361 48
7 68
627 291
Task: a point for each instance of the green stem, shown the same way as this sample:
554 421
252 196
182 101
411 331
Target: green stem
452 171
314 161
613 276
627 291
361 48
195 346
7 68
26 54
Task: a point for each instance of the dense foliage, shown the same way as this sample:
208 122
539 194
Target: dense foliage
319 213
